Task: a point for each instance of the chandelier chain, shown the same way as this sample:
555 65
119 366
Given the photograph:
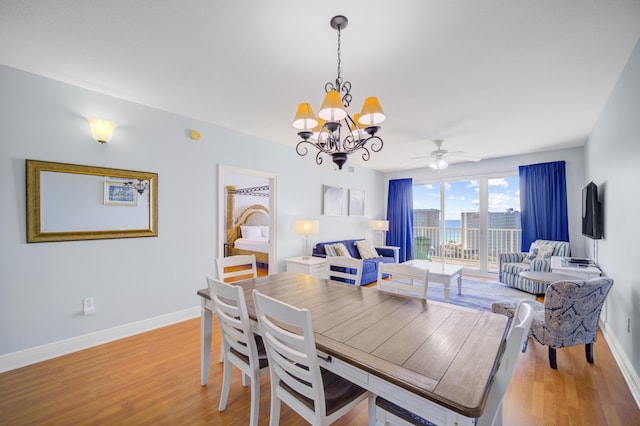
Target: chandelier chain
339 61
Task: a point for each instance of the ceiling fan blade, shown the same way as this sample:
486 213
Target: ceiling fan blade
463 156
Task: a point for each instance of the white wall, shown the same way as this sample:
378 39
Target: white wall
135 280
612 157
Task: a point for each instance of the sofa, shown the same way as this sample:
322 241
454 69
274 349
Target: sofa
370 266
511 264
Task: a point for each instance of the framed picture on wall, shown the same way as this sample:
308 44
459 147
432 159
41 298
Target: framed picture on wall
356 202
119 194
332 200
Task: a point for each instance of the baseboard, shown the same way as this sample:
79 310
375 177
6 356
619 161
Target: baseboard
628 372
63 347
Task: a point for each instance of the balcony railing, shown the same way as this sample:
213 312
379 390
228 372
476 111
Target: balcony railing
462 245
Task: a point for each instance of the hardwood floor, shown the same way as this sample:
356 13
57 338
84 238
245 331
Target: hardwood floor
154 377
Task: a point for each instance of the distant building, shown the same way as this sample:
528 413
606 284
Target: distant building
426 217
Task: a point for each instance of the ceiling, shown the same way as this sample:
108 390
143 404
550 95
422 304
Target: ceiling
490 77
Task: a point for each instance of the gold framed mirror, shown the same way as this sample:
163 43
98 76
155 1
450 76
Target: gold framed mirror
69 202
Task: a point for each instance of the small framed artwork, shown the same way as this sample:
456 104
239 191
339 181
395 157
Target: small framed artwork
119 194
332 200
356 202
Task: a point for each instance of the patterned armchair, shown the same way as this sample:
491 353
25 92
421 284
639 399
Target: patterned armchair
569 315
511 264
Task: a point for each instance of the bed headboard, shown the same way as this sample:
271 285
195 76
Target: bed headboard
252 215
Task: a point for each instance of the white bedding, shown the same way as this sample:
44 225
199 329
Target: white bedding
259 245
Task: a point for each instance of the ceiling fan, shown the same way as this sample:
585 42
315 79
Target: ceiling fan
439 158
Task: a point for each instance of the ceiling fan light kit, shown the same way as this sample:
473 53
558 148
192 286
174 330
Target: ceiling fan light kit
323 132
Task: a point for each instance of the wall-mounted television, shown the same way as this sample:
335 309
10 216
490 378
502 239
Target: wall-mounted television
592 223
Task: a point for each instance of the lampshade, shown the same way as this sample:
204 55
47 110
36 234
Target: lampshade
316 130
380 225
307 227
305 119
332 108
102 130
372 113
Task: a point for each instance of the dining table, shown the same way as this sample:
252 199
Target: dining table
434 359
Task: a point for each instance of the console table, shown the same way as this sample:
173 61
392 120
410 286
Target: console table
308 265
584 272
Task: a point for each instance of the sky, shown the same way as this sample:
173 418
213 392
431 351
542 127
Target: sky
463 196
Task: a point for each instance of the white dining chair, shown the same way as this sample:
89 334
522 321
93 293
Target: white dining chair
403 279
243 266
344 269
387 412
318 395
241 347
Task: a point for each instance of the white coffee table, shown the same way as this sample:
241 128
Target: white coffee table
441 273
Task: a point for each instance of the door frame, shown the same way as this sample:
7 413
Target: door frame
273 231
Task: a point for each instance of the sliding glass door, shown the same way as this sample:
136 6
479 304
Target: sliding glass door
467 222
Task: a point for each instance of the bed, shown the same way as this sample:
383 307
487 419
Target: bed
250 234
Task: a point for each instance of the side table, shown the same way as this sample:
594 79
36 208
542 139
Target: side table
308 265
583 272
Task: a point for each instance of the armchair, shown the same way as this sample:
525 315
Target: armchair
511 264
569 315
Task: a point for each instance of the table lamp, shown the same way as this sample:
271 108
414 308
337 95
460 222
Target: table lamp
381 226
306 228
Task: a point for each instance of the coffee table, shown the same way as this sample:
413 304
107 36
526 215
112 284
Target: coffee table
547 277
440 273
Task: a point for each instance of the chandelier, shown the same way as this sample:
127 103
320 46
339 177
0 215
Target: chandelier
138 185
324 133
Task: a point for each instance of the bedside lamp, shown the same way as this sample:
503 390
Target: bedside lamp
306 228
381 226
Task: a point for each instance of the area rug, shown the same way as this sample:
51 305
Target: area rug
477 294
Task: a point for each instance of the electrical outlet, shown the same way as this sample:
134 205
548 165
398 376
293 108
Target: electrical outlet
87 306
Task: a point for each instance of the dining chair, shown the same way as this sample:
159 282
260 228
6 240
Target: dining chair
318 395
243 266
403 279
240 346
387 412
344 269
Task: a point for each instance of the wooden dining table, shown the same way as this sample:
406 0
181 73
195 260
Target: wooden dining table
437 360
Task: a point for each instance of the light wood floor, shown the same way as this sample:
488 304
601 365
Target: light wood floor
154 377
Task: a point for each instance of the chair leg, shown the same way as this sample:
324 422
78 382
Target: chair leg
552 358
226 384
255 399
588 349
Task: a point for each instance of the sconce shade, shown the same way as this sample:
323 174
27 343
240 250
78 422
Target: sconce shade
332 108
305 119
307 227
380 225
102 130
372 113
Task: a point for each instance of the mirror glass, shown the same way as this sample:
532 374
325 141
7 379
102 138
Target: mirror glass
72 202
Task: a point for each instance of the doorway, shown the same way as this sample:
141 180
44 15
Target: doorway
257 191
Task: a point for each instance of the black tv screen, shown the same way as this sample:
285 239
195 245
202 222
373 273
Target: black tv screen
591 212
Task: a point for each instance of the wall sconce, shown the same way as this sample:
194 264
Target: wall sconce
381 226
102 130
306 228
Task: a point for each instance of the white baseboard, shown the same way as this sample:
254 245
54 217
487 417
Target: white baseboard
628 372
63 347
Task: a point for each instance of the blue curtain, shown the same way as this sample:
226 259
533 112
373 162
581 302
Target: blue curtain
400 217
543 203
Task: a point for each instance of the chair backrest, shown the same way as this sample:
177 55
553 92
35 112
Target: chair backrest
344 269
518 330
231 310
572 310
404 279
288 338
243 266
